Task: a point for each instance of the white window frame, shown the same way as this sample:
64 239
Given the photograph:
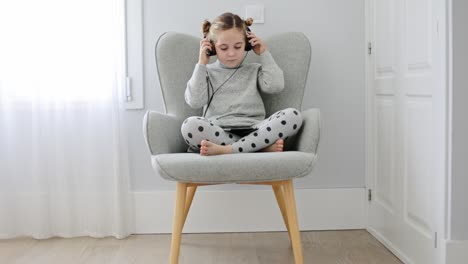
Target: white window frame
134 89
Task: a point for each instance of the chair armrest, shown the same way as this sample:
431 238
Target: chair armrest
308 137
162 133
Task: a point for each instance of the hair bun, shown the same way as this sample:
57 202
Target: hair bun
205 27
249 21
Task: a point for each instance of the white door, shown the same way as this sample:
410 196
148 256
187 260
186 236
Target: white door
404 81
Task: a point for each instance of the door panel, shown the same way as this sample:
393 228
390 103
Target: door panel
418 51
385 173
385 65
418 179
418 17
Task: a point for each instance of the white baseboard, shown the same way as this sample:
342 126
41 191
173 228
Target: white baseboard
457 252
389 245
251 210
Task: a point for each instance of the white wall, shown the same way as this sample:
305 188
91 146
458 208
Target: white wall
459 184
335 85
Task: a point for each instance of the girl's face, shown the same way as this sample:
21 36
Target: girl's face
230 45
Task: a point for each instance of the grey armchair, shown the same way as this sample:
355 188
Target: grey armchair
176 56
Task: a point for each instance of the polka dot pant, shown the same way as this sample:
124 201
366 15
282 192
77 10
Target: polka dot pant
282 124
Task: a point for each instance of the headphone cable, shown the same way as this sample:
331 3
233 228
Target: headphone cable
210 85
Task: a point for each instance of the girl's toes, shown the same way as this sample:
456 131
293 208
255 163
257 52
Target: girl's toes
203 150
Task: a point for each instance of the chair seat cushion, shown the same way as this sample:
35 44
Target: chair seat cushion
234 168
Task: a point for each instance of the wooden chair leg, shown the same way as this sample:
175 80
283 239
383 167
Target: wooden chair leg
178 223
279 194
188 202
293 223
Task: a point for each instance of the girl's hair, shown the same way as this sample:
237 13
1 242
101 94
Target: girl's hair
224 22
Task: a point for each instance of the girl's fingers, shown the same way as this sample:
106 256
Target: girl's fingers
252 36
206 46
255 42
204 42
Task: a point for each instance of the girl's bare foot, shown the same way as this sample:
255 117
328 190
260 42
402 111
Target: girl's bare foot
209 148
276 147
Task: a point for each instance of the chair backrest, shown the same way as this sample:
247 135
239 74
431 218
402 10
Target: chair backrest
177 54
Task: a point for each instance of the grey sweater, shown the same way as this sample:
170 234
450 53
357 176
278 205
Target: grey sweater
237 104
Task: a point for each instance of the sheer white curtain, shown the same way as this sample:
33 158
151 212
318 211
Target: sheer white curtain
63 157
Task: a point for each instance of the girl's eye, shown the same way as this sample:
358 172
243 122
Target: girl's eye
238 47
223 48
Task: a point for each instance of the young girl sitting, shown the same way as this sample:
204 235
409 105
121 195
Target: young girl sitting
228 89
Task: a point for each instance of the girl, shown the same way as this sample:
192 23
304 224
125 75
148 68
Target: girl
234 114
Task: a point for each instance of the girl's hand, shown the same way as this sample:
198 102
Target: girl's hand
205 47
258 46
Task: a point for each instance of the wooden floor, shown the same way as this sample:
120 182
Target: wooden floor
320 247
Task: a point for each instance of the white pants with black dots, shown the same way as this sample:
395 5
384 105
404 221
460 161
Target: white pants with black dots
282 124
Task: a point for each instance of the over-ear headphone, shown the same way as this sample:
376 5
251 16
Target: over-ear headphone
212 52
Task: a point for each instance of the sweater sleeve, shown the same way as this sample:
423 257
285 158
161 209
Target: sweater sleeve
270 77
195 93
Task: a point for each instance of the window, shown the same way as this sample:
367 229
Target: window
134 23
61 50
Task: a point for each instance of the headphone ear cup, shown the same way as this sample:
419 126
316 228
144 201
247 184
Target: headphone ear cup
248 46
212 52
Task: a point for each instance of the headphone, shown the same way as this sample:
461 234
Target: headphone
209 85
212 52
